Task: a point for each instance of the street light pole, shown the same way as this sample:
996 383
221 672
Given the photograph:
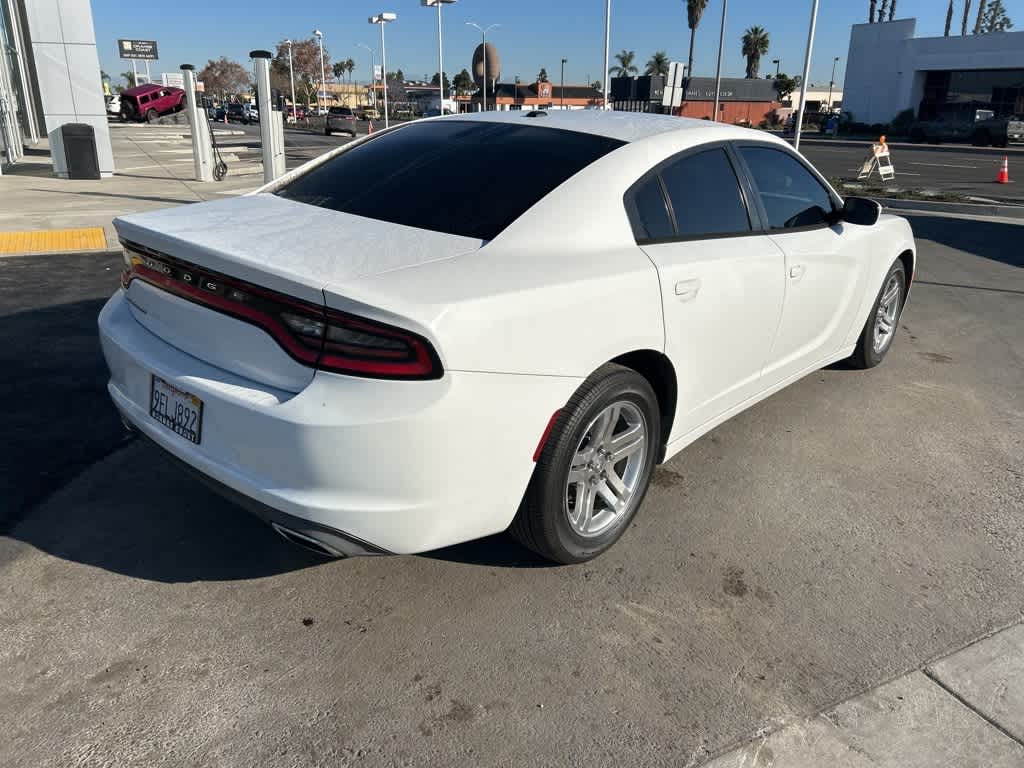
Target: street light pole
832 82
807 73
373 78
291 78
383 18
721 43
483 47
562 86
440 45
776 63
323 76
607 46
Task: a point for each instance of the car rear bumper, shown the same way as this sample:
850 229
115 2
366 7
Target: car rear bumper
374 465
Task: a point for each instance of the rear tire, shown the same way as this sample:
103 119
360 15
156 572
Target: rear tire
883 321
150 115
594 469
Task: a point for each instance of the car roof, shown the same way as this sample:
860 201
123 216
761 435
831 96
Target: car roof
624 126
147 88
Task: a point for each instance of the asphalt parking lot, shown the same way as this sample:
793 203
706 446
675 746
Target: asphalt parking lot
848 529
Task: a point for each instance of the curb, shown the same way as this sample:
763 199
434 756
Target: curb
969 209
1012 150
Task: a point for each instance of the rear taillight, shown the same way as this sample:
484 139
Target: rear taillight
313 335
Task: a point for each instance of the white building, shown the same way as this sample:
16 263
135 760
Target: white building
818 98
888 70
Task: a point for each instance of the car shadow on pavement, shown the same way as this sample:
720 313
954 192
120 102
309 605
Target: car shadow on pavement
988 239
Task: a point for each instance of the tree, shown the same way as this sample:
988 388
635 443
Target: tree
755 45
967 12
892 10
463 83
871 11
306 65
995 19
223 76
542 76
657 64
625 67
785 85
949 18
436 79
597 85
883 10
694 10
339 69
129 77
980 17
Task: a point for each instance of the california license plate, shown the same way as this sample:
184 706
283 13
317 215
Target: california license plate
179 411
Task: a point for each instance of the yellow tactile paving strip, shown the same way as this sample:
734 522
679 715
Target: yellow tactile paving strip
53 240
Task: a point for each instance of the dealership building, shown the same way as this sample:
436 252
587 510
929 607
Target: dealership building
888 70
50 77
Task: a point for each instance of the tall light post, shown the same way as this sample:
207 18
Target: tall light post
381 19
807 73
718 72
607 46
291 78
323 77
776 63
483 47
832 82
373 74
561 87
440 45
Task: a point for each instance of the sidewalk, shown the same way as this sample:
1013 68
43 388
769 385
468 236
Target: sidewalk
154 170
963 711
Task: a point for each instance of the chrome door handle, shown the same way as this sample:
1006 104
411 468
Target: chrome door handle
796 272
686 290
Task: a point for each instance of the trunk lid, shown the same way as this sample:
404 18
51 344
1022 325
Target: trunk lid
285 246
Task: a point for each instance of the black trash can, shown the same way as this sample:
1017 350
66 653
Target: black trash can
79 141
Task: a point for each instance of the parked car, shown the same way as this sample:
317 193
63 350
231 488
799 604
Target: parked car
147 102
369 113
114 104
215 113
243 113
511 358
340 119
981 127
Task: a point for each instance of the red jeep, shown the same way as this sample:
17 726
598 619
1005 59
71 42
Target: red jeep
146 102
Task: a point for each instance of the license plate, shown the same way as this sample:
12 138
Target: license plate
179 411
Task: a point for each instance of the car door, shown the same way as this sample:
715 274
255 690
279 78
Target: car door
823 271
721 278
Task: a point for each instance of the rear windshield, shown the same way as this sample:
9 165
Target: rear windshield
460 177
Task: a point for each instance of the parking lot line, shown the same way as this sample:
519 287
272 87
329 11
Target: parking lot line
944 165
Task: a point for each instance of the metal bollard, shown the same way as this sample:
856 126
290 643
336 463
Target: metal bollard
271 120
202 152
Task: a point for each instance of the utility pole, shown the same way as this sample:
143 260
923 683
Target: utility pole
562 86
807 74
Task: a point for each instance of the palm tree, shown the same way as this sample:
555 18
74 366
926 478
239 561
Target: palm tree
871 11
967 11
625 67
981 16
657 64
694 10
949 17
755 45
350 68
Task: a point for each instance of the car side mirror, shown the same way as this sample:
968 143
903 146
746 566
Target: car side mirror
861 210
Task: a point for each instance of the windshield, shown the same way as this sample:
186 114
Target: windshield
459 177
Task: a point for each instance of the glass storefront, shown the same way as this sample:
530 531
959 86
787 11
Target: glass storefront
948 93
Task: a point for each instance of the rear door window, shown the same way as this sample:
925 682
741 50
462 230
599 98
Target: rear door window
648 212
705 195
791 195
441 175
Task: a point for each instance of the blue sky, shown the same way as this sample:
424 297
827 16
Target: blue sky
533 33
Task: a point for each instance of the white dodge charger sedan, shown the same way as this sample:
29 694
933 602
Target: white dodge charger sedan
471 323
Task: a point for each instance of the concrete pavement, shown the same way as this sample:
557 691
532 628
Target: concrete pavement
818 548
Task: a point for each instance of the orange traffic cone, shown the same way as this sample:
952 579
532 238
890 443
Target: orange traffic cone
369 128
1003 177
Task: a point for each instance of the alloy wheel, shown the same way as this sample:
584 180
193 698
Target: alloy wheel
887 315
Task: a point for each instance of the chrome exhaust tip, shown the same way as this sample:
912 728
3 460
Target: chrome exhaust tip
306 542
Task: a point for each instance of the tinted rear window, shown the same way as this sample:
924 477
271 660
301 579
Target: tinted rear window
460 177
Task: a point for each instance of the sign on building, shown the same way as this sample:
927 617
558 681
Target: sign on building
173 79
137 49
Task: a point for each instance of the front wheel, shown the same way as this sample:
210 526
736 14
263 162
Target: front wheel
883 321
594 469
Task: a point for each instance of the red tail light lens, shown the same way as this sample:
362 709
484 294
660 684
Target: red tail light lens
313 335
